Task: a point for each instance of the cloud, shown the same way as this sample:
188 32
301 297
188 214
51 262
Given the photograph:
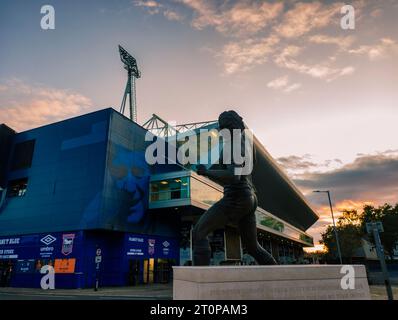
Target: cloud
376 13
283 83
298 165
292 87
278 83
341 42
153 7
370 178
24 106
305 17
255 30
147 4
243 17
172 15
296 162
287 59
243 55
385 47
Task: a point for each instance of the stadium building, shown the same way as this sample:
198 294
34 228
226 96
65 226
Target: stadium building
79 195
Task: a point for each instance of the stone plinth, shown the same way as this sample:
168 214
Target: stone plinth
294 282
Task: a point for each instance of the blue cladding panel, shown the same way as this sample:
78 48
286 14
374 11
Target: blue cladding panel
6 136
65 180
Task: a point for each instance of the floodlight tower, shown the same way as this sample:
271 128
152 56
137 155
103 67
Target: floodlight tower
130 64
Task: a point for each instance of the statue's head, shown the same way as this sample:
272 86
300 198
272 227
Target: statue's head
230 120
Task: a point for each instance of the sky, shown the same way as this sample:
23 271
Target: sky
322 99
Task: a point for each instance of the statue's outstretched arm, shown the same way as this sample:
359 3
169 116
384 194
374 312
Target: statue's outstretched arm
226 175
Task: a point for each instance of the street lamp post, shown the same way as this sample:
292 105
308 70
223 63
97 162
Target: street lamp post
334 224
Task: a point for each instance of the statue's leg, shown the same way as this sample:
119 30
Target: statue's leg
211 220
248 234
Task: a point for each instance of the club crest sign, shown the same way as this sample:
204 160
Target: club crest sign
151 246
67 243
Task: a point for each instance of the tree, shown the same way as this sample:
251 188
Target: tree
388 216
349 233
351 228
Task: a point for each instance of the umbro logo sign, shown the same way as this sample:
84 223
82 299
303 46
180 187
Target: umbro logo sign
48 239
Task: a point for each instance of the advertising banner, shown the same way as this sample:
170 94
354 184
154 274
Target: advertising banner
64 265
47 246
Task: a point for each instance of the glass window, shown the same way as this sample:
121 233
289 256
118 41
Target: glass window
204 193
17 188
270 222
170 189
306 238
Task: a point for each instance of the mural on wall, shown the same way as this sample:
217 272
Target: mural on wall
129 174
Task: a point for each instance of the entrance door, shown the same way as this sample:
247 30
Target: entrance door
149 266
134 272
6 272
163 271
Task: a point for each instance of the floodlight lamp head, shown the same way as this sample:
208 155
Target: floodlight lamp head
129 62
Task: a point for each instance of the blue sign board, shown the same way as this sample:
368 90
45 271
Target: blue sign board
46 246
148 246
